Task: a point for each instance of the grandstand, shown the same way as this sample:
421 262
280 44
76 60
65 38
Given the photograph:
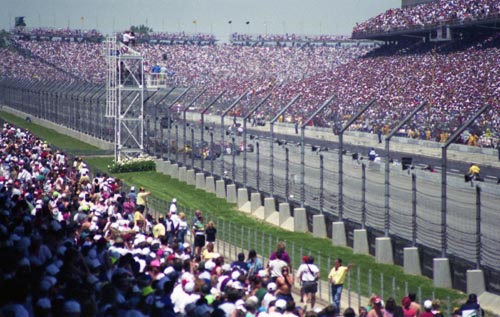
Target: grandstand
419 70
449 59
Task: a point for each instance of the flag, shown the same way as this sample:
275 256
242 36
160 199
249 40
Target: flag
19 21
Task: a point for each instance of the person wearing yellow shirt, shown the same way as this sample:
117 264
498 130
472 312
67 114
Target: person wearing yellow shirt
473 175
337 278
141 199
208 253
139 221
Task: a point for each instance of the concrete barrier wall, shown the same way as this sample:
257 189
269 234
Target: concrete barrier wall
190 178
183 174
220 188
200 181
231 193
210 184
319 226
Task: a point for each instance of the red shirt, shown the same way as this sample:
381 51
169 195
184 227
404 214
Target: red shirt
409 312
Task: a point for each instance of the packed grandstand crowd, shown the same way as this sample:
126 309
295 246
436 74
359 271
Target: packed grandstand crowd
430 14
455 78
324 38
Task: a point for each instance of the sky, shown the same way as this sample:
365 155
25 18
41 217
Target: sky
310 17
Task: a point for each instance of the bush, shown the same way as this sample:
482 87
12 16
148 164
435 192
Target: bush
139 164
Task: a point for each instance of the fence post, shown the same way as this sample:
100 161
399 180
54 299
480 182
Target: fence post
370 288
321 184
414 208
393 287
329 265
257 153
212 153
363 196
176 143
358 271
287 179
192 149
478 227
233 167
381 285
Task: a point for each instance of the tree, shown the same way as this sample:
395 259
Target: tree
141 29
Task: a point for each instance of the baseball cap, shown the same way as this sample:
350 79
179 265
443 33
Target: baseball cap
428 304
271 287
281 304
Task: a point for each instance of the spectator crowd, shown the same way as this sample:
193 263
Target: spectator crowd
430 14
455 78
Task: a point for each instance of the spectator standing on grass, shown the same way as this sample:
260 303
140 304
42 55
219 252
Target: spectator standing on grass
283 255
182 229
196 217
198 230
276 265
173 206
337 278
141 199
132 194
210 232
308 274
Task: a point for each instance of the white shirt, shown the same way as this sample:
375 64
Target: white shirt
304 272
275 267
268 297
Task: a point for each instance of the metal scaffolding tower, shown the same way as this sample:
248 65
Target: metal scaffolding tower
125 97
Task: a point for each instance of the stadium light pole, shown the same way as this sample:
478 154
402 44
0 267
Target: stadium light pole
387 184
222 132
444 167
271 125
186 108
169 118
302 149
203 124
245 118
341 159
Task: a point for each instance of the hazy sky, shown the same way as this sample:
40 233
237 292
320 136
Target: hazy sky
208 16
